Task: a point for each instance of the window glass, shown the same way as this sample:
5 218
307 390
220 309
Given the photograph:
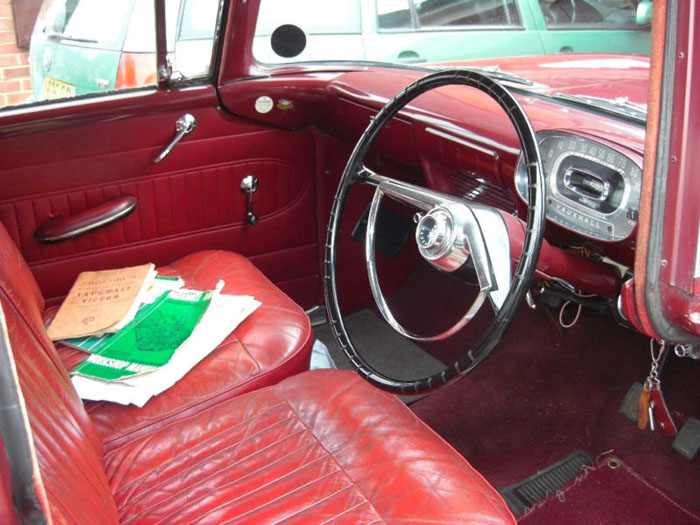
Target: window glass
141 36
88 47
440 13
393 14
314 17
426 32
583 14
75 21
314 29
194 38
198 19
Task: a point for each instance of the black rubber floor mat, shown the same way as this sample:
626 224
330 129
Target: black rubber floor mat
530 491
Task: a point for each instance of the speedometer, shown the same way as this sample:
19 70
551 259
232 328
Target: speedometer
592 189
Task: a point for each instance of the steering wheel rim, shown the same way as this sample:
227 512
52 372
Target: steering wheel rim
354 172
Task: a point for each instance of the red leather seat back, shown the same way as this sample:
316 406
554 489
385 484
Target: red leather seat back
67 446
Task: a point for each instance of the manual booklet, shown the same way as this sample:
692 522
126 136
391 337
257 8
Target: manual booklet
101 302
149 341
159 285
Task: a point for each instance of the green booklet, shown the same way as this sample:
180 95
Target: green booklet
161 284
149 341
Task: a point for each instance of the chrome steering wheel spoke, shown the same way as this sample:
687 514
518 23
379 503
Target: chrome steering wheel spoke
451 237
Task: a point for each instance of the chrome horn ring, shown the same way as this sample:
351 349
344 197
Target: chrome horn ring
447 235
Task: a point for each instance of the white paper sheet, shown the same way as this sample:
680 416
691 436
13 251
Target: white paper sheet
224 314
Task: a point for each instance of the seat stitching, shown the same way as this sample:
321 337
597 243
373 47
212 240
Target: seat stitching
215 401
228 465
325 498
488 497
58 502
352 481
472 474
218 434
255 361
266 485
342 513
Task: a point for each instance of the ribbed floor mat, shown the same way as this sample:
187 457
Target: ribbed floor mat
382 347
526 493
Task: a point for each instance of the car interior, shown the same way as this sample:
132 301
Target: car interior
502 277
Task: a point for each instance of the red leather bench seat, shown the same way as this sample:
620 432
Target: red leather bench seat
323 446
274 342
318 446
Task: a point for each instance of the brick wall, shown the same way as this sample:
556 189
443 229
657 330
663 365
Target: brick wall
15 86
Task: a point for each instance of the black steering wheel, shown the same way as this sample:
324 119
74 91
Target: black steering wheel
451 232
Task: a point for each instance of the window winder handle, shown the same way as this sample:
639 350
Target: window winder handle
184 125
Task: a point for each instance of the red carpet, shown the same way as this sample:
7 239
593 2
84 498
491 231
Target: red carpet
547 391
610 495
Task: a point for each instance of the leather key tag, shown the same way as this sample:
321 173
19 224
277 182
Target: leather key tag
661 412
643 407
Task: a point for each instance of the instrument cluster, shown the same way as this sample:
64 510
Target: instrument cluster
592 189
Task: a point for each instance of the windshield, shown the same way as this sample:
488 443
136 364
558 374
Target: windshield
576 48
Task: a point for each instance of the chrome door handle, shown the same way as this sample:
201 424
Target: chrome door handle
184 125
249 185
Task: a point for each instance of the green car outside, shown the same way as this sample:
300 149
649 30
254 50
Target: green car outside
81 47
73 55
91 46
502 28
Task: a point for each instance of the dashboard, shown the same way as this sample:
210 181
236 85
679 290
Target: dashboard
591 188
462 143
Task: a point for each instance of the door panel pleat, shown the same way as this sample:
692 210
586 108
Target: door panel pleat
179 210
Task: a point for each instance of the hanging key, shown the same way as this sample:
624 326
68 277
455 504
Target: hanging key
650 411
662 415
643 411
651 406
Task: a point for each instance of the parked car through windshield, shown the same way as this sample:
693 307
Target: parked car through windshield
88 46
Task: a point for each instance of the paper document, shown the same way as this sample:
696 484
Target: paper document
224 314
101 302
150 340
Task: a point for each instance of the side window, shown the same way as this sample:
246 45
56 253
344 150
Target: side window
314 17
439 13
194 39
87 47
430 14
590 14
394 14
332 29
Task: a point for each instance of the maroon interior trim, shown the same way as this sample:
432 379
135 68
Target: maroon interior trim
63 228
161 46
649 168
30 502
103 108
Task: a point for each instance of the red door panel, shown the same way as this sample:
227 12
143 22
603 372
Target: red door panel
190 201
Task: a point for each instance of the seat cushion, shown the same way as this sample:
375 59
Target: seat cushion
320 446
274 342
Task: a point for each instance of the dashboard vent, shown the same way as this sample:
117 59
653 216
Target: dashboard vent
475 188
